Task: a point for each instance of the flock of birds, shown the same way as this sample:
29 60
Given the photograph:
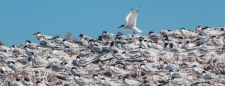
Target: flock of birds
179 57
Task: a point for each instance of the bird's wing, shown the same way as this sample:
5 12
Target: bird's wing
132 19
128 15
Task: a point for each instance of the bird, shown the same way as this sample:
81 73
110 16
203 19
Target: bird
113 48
46 37
188 46
27 81
15 83
174 74
3 48
108 36
131 21
168 66
196 71
82 61
179 82
37 61
57 67
116 71
153 36
40 83
83 72
130 82
71 51
15 66
121 56
210 76
30 45
6 54
143 43
188 34
65 42
217 42
81 80
149 70
154 45
103 82
82 36
175 49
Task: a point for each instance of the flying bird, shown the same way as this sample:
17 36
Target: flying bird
131 21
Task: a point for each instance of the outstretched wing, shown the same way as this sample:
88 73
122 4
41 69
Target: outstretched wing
128 15
132 19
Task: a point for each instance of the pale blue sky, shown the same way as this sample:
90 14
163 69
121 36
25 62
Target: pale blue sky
19 19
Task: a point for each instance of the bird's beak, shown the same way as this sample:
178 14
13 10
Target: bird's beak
33 34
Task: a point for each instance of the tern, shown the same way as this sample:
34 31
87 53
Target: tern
130 82
81 80
46 37
131 21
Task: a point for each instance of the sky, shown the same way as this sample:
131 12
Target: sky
20 19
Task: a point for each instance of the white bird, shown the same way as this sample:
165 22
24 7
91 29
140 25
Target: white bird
179 82
40 83
30 45
174 74
175 49
148 53
104 82
37 61
197 71
168 66
116 71
166 33
71 51
38 34
217 42
58 40
56 66
128 47
209 76
67 43
187 33
15 66
82 81
198 29
28 81
188 46
153 36
143 43
15 83
82 36
113 48
83 72
108 36
2 47
131 21
149 70
16 50
154 45
6 54
120 56
87 60
130 82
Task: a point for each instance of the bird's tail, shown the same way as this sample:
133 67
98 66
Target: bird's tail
138 30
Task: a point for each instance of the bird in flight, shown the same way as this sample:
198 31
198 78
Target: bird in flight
131 21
